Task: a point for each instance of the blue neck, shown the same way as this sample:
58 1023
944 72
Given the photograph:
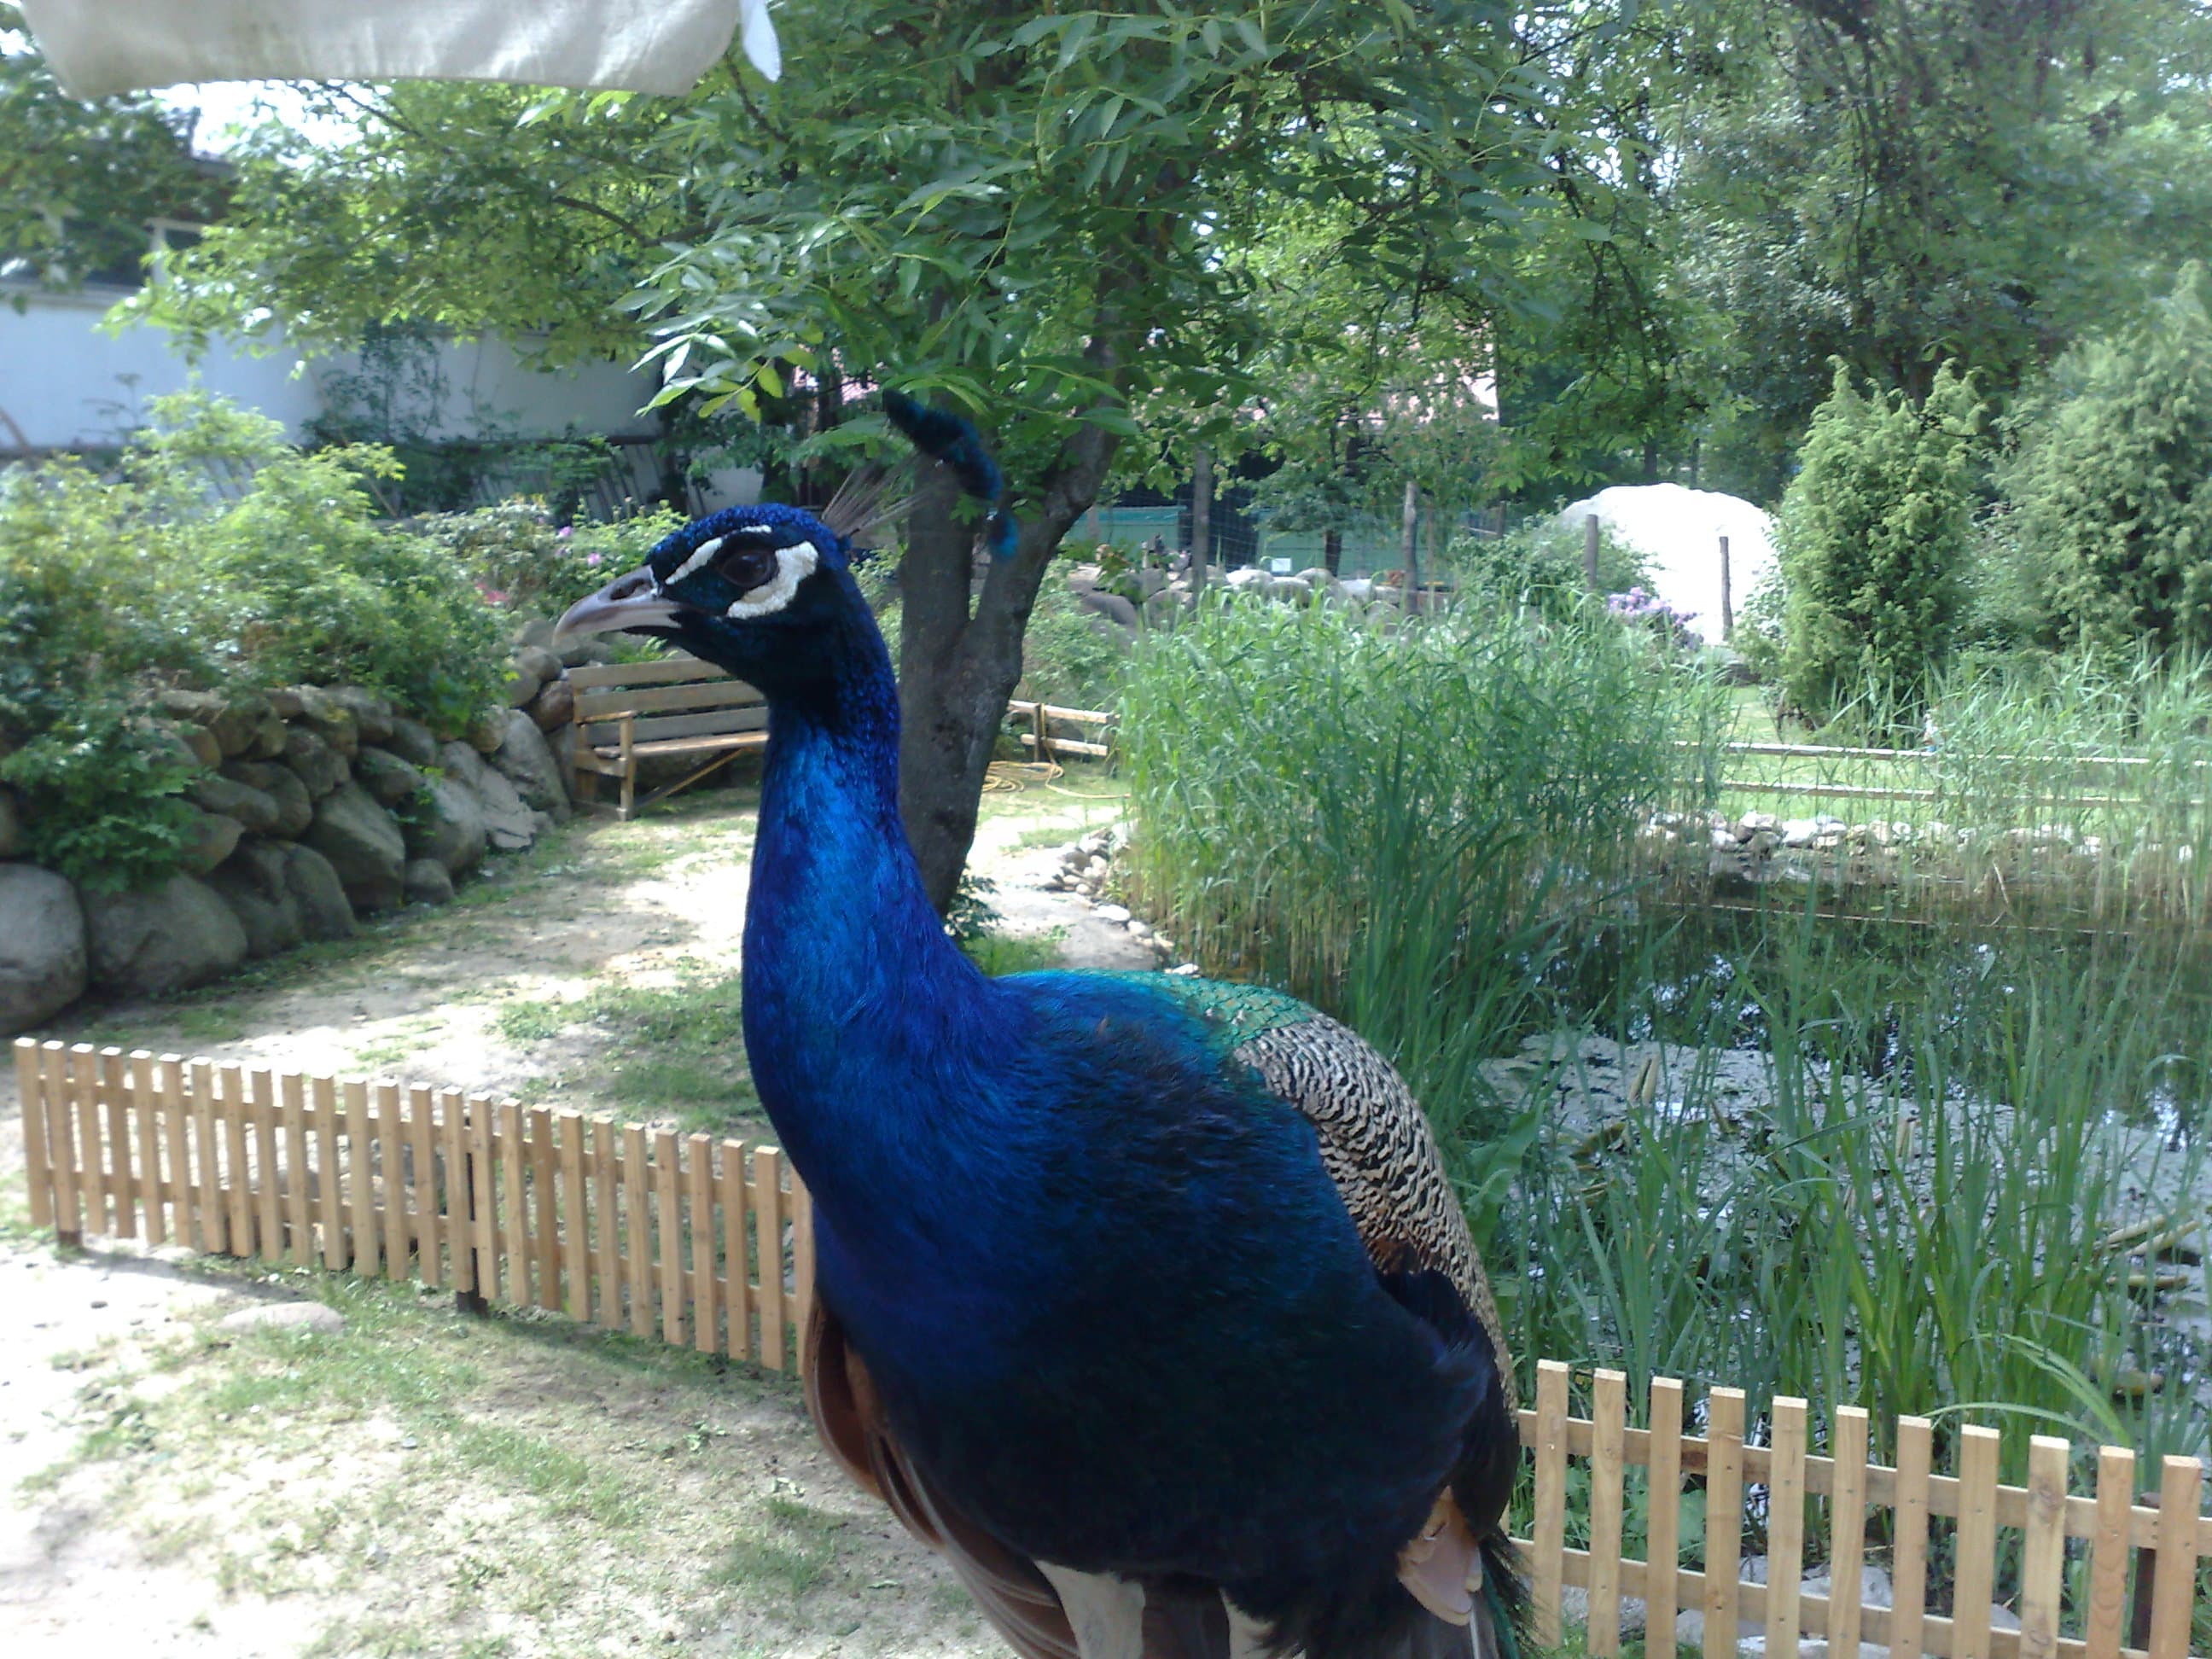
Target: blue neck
858 1009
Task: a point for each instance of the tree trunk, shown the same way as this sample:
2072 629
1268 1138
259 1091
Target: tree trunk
1406 554
1332 551
1201 516
960 650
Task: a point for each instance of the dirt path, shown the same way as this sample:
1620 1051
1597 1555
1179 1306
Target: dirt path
422 1482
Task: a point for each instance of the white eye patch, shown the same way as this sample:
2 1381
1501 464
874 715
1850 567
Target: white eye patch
793 565
705 551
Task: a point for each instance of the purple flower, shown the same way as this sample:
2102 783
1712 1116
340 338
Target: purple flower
564 533
592 561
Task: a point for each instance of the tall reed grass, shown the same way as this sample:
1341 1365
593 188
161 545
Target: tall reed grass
1402 826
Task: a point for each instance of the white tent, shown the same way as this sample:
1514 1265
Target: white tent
1679 532
101 46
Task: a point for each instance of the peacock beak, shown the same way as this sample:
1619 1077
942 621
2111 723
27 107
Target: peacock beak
632 601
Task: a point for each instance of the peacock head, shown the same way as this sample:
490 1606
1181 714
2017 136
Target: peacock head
761 591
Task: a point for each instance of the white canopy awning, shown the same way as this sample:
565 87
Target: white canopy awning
101 46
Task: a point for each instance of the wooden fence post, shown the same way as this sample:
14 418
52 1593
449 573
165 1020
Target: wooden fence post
1724 1519
1609 1465
1663 1529
1908 1537
1549 1532
38 1168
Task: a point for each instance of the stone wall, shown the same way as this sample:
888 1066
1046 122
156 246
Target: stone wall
313 807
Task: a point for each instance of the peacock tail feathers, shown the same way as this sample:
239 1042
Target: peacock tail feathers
944 436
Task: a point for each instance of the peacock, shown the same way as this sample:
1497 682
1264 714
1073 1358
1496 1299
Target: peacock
1143 1298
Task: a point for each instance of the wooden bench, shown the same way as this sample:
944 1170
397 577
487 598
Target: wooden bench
676 706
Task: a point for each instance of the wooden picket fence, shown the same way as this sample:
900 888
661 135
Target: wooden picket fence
2151 1620
706 1243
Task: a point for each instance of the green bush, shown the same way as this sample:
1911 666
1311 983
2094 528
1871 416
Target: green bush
2109 485
1875 531
1069 656
103 794
1540 565
519 562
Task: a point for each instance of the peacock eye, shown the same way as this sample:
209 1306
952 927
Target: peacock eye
746 568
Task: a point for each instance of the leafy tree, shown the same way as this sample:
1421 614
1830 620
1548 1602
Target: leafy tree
79 182
2111 488
1031 214
1875 533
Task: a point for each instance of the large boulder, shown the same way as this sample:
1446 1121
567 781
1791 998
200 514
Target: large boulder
363 844
234 799
526 684
449 827
328 718
412 742
312 885
386 776
296 808
372 713
169 937
42 946
525 761
427 882
198 739
251 882
554 706
238 725
506 819
313 762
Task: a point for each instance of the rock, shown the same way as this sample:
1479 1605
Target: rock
1800 832
363 845
329 720
449 827
268 739
1574 1608
554 706
1112 606
199 740
12 839
312 885
487 730
166 741
1139 930
287 703
253 808
535 659
210 838
196 707
372 713
524 761
386 776
579 651
239 724
43 951
285 1316
412 741
1113 913
1873 1586
523 687
314 762
168 938
427 883
251 882
295 809
506 818
530 630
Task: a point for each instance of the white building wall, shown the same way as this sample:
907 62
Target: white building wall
66 383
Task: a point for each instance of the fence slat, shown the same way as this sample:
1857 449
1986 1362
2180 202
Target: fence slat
1663 1506
802 1248
1976 1543
2108 1561
667 1234
237 1192
1785 1520
299 1200
514 1208
207 1188
1550 1528
637 1265
115 1096
175 1117
1724 1519
423 1174
38 1168
576 1242
606 1213
705 1321
483 1198
544 1209
92 1158
1909 1538
735 1301
768 1240
1847 1529
323 1092
360 1138
2043 1552
2173 1590
61 1142
145 1108
1608 1468
268 1185
394 1205
449 1194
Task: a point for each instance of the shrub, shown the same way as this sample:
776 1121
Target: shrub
2110 482
519 561
103 794
1874 536
1540 565
1069 656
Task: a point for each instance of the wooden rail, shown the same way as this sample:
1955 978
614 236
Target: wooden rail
707 1243
1039 736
